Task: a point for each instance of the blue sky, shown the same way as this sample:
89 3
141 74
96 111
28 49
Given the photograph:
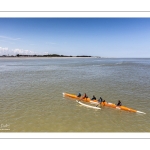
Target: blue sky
105 37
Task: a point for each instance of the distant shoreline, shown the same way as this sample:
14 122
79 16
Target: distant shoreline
43 56
30 57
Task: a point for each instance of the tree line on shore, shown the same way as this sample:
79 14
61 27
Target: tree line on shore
48 55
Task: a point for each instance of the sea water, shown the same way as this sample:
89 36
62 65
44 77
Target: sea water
31 98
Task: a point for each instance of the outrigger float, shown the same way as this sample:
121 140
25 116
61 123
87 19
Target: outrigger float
89 106
102 103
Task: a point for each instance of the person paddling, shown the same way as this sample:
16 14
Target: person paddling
93 98
119 103
100 100
85 96
79 95
103 102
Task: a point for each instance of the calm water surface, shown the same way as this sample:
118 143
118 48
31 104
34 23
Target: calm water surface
31 97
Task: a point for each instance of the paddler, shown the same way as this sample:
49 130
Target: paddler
100 100
93 98
103 103
79 95
119 103
85 96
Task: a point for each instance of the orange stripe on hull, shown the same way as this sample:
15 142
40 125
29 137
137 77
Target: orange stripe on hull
118 107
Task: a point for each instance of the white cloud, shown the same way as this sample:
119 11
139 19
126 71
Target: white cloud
45 52
9 38
3 48
6 51
23 52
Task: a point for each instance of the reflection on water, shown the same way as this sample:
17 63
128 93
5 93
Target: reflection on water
31 97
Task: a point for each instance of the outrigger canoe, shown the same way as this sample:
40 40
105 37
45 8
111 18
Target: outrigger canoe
102 103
